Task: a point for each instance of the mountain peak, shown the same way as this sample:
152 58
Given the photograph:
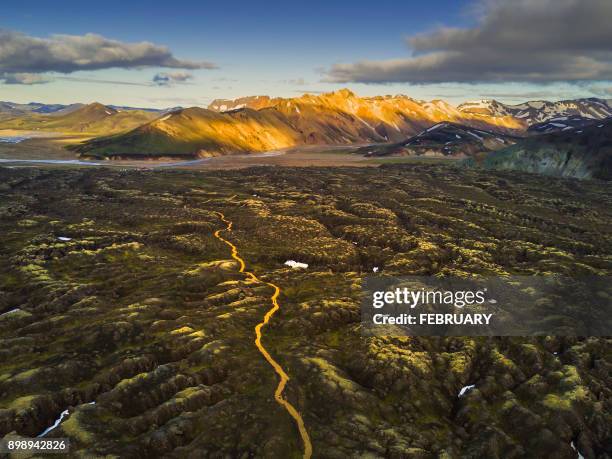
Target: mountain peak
255 102
98 108
96 105
345 92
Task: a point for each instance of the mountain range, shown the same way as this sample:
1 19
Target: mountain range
384 125
78 118
16 109
539 111
262 124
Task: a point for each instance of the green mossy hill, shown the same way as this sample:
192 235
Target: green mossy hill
584 152
95 119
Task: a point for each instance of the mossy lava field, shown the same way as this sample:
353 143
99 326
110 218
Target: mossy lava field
120 306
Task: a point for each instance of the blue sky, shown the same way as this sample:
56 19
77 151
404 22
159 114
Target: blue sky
275 48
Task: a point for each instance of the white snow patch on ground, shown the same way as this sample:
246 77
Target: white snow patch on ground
465 389
164 118
63 238
375 269
12 311
580 456
55 424
58 421
296 264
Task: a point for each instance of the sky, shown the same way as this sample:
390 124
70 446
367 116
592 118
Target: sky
164 54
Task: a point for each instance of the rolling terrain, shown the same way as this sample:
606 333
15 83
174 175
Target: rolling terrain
121 308
87 119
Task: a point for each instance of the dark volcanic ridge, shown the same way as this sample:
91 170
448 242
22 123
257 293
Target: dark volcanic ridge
445 139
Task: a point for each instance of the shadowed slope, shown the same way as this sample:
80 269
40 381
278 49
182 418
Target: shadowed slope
445 139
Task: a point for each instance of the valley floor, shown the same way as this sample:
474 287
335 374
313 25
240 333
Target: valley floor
49 149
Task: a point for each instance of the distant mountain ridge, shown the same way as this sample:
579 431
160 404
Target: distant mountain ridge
540 111
16 109
562 123
12 109
388 117
92 119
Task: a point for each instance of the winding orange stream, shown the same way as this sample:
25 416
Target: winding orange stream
283 377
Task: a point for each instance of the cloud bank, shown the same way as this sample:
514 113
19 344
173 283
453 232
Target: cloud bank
536 41
23 78
24 54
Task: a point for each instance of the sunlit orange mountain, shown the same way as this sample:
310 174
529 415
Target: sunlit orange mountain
257 124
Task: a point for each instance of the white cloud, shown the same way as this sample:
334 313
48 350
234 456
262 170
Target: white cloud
21 53
170 78
23 78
